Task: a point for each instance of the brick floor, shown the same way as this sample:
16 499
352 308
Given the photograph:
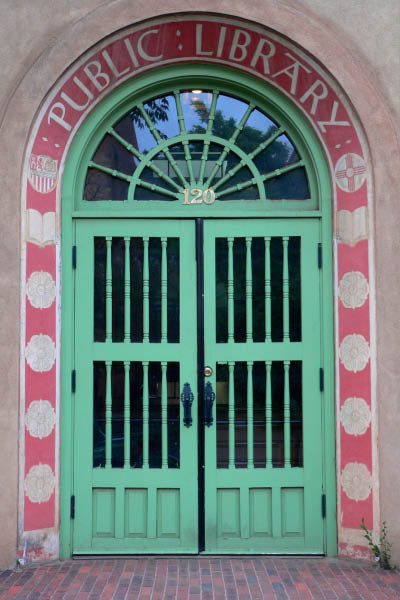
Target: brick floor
208 578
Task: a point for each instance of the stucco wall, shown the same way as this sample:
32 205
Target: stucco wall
43 37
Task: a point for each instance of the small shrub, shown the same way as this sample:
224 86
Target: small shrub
383 549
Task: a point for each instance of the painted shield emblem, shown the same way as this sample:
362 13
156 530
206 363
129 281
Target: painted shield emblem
42 173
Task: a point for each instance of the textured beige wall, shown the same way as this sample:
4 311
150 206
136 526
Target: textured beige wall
357 40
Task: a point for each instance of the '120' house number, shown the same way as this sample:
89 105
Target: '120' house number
198 196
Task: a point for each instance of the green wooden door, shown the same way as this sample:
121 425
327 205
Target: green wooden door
263 452
135 460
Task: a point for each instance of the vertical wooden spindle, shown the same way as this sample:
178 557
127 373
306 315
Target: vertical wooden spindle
231 414
249 292
267 292
268 412
250 416
145 415
108 290
127 291
286 416
230 292
164 416
164 289
285 289
127 416
145 289
108 414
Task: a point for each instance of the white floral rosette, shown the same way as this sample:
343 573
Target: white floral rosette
353 289
39 483
355 416
40 418
356 481
354 352
40 353
41 289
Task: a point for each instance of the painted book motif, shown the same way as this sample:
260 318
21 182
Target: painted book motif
41 229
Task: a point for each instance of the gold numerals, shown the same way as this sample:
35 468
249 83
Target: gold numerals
198 196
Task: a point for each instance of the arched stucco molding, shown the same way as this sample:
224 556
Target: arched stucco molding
301 28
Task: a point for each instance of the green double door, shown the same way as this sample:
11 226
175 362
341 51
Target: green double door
197 410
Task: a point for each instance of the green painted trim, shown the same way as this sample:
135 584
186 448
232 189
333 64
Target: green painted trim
328 358
67 364
89 135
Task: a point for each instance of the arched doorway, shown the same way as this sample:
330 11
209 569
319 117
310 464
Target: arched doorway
197 206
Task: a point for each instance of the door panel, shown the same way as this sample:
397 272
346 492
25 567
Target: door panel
135 463
263 460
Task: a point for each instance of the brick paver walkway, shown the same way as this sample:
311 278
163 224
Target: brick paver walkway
201 579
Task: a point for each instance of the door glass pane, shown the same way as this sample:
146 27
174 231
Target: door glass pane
259 412
173 295
99 414
296 413
222 410
99 289
117 392
227 116
162 112
240 415
136 413
103 186
258 128
118 280
173 415
196 109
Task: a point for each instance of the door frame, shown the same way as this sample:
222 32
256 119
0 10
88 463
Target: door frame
323 189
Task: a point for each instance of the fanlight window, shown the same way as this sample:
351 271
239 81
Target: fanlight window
225 148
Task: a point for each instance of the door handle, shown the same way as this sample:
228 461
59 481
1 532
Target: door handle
187 401
209 398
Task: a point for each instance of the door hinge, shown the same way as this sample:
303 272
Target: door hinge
72 507
321 380
73 381
323 505
74 257
320 256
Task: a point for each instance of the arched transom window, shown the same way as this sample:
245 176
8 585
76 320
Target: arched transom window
196 145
